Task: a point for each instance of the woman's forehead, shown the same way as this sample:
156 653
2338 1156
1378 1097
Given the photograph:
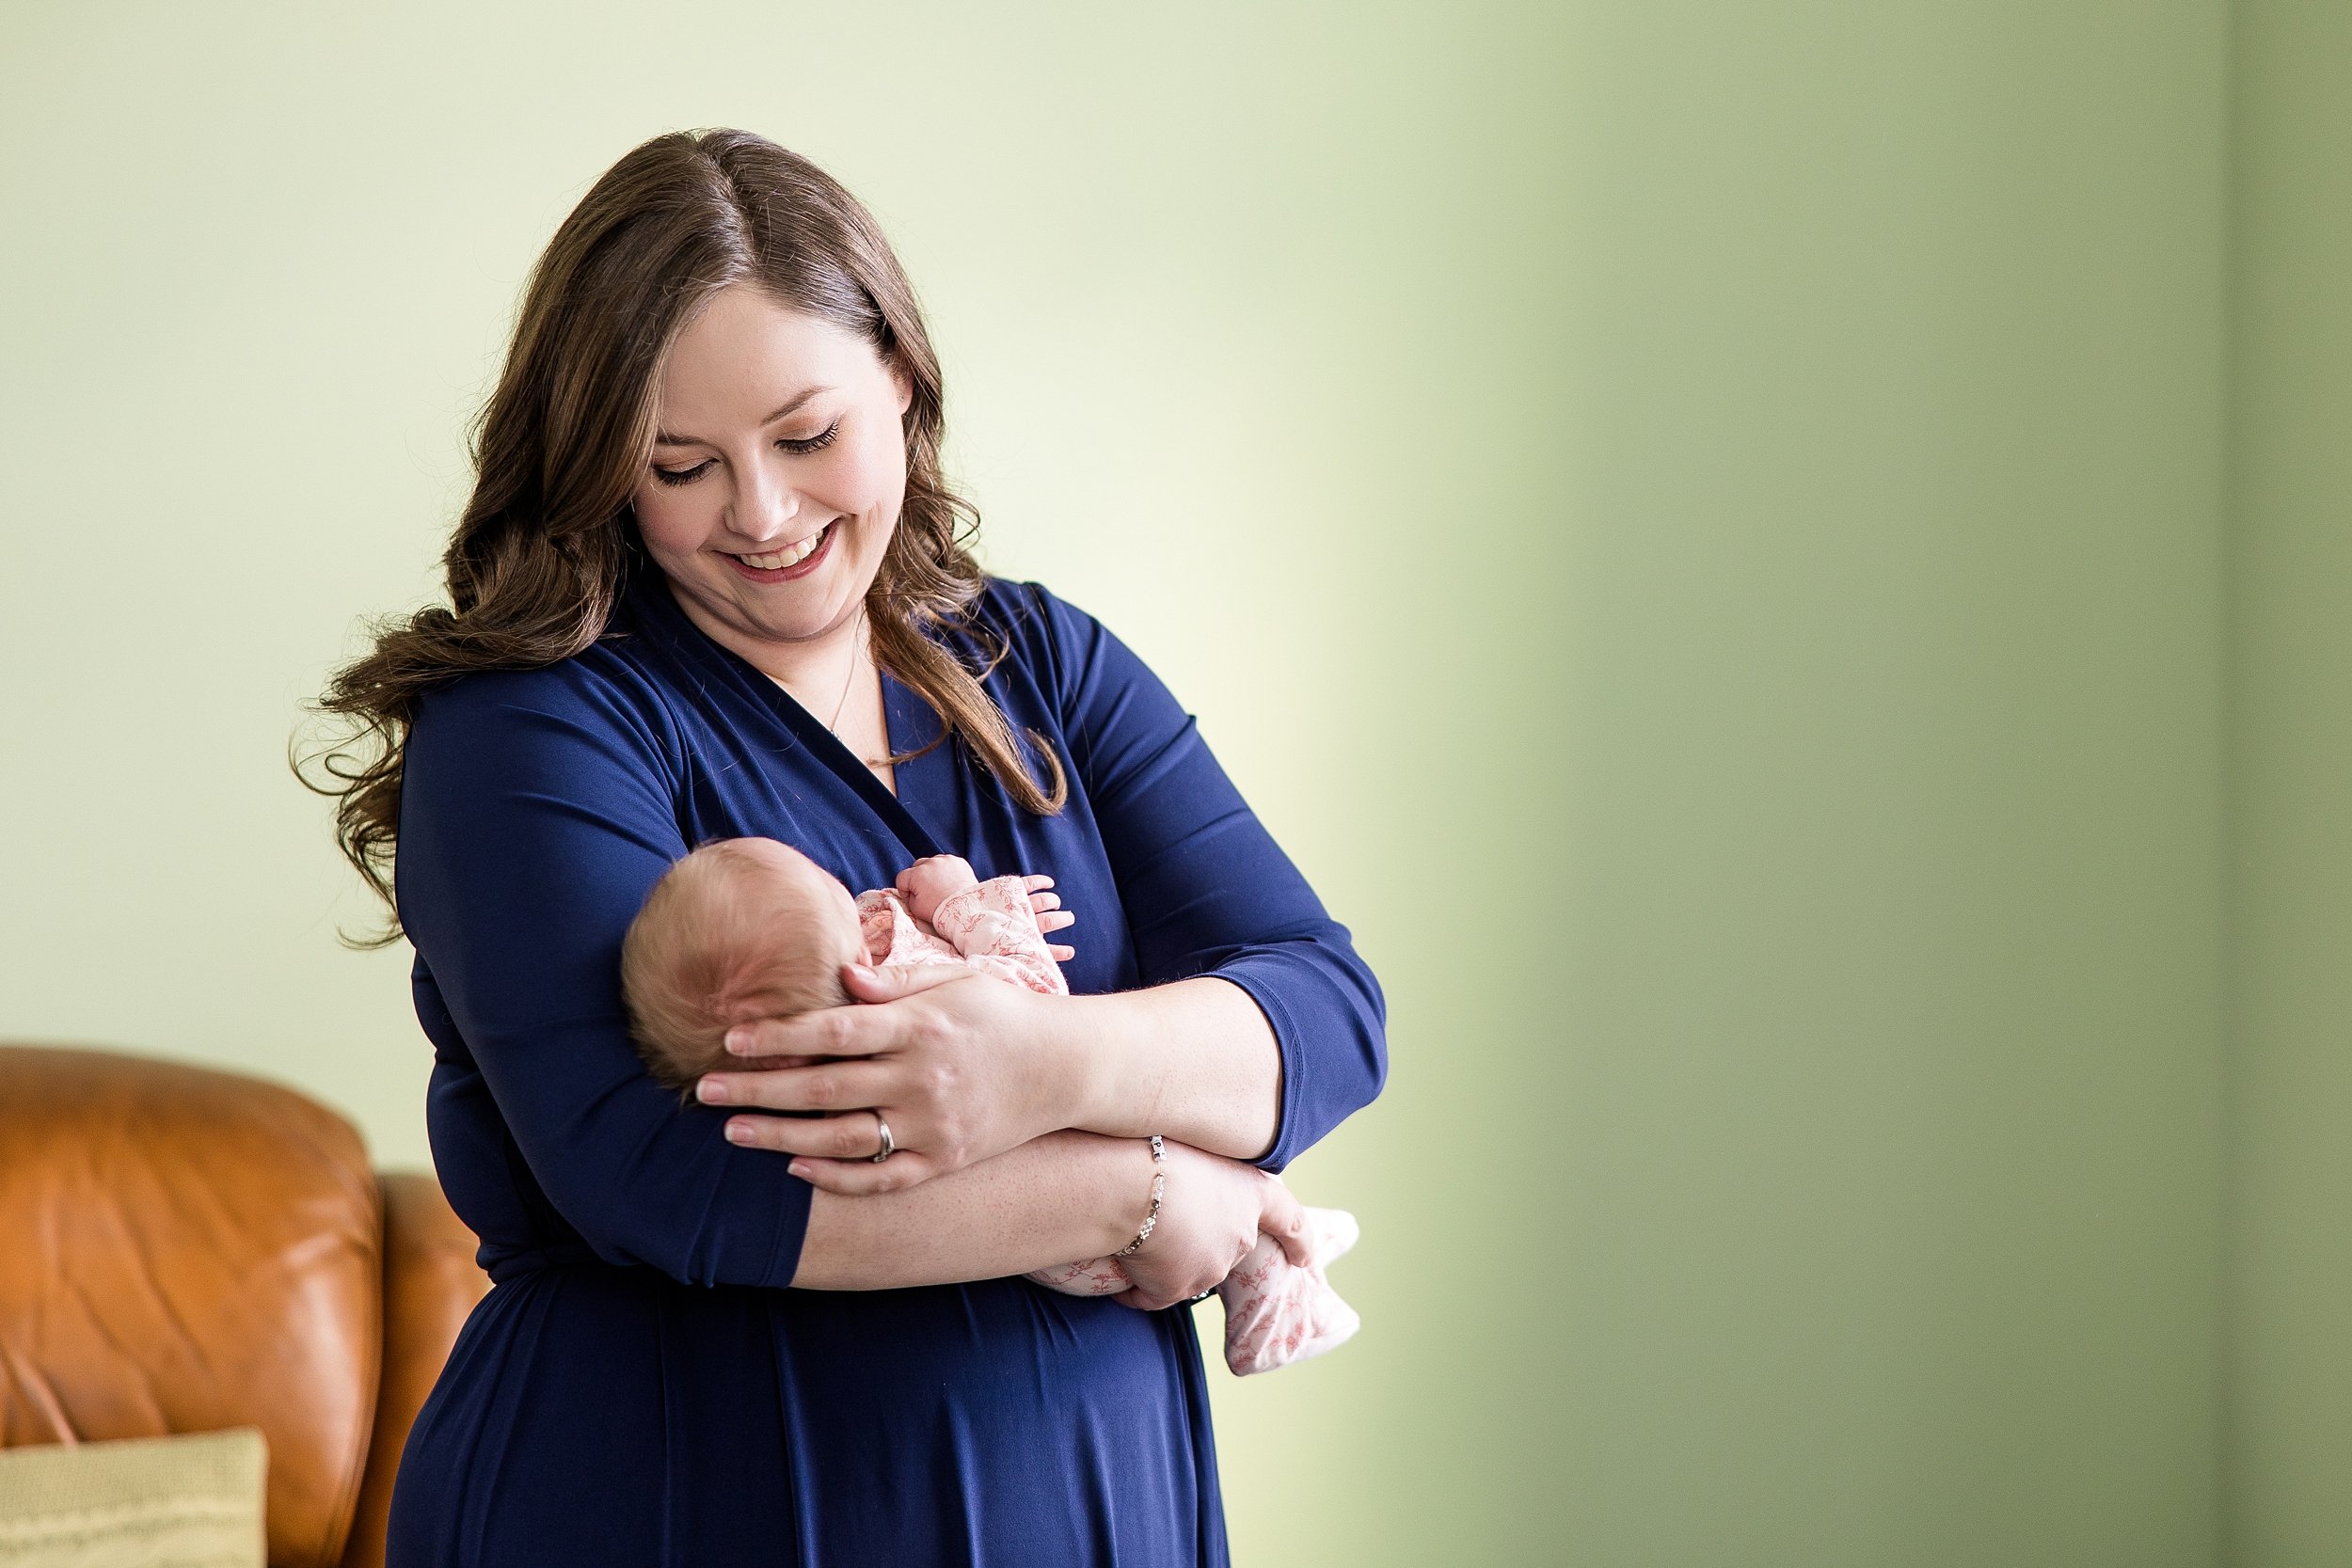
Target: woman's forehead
748 359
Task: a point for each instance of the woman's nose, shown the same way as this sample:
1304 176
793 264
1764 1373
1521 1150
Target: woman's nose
765 505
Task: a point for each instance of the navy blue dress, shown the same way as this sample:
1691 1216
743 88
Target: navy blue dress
642 1385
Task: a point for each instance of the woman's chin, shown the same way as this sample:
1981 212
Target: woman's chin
781 612
811 609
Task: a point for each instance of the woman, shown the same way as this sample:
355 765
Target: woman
710 584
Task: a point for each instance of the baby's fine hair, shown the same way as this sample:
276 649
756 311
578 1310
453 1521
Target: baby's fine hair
722 937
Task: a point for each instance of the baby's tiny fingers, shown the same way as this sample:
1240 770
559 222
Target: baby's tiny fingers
1062 954
1044 901
1054 920
1036 884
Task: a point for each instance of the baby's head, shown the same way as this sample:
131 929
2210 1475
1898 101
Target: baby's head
742 928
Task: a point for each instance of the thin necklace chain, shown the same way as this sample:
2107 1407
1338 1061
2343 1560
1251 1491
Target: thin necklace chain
856 643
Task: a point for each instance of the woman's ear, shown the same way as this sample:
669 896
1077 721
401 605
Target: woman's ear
905 384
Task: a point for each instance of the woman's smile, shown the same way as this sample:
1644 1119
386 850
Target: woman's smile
790 561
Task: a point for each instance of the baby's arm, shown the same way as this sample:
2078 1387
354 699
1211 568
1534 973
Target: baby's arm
929 881
998 927
893 936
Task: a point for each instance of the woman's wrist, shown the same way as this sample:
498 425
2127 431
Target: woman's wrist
1127 1178
1088 1046
1151 1215
1194 1059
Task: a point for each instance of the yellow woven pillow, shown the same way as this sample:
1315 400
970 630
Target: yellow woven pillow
191 1501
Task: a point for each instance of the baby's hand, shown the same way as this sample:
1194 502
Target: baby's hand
1051 916
932 878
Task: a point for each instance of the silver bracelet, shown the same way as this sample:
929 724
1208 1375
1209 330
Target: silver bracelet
1159 1181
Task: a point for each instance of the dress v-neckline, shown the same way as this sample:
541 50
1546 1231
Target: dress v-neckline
811 732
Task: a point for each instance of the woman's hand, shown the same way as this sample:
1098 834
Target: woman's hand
960 1065
1212 1212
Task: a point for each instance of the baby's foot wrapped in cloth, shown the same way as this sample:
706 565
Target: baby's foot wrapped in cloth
1277 1312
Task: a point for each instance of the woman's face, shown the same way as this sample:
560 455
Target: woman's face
777 472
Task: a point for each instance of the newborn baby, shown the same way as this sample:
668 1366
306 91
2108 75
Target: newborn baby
749 927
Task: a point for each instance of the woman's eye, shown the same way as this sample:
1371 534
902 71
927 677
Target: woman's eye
817 442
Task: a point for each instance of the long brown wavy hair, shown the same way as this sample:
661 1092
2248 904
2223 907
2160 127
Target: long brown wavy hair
538 558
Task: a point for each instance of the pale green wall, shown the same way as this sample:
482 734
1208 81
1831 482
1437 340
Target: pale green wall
1881 1121
1696 522
2288 1414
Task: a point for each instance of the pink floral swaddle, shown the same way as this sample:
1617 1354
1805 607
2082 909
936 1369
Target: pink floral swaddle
991 927
1276 1312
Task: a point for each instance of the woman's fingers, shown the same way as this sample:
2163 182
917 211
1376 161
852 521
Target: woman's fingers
869 984
844 1031
821 1087
895 981
850 1135
966 1066
827 1032
864 1177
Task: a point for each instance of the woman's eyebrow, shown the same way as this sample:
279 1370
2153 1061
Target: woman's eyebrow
663 438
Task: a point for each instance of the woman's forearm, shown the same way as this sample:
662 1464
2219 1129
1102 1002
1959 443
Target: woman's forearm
1055 1199
1194 1059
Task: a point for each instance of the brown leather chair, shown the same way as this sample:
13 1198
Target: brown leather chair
183 1249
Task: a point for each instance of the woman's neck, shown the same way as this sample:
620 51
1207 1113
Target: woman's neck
814 668
831 675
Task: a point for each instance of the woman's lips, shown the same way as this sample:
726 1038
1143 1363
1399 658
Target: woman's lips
819 546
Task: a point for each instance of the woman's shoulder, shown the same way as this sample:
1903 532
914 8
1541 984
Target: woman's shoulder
602 695
1012 607
1096 684
1065 649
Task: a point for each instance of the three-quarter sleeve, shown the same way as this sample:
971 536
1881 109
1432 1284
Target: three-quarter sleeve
1206 889
536 813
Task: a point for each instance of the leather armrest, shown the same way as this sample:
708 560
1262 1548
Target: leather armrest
431 1283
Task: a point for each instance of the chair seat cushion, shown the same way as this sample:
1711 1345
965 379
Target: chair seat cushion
187 1501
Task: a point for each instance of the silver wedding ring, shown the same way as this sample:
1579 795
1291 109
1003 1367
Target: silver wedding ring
888 1147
